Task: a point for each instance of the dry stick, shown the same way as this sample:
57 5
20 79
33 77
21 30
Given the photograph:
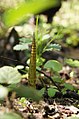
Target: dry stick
6 58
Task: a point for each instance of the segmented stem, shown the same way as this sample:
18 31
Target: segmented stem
32 66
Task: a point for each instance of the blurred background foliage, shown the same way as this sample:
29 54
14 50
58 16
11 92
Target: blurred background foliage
14 12
64 28
68 17
20 11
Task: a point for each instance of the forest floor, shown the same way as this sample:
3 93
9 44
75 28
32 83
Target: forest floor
58 107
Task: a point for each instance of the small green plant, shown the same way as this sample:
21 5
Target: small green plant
44 41
41 42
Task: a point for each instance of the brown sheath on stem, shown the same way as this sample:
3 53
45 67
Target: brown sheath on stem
32 65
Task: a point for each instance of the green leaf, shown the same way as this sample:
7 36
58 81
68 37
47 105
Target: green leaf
63 91
45 37
73 117
23 99
78 91
19 67
73 63
9 75
10 115
3 92
39 61
53 64
17 15
68 86
25 40
27 92
23 45
57 79
41 92
20 47
53 47
52 91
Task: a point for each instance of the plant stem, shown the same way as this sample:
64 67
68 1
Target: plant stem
32 66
